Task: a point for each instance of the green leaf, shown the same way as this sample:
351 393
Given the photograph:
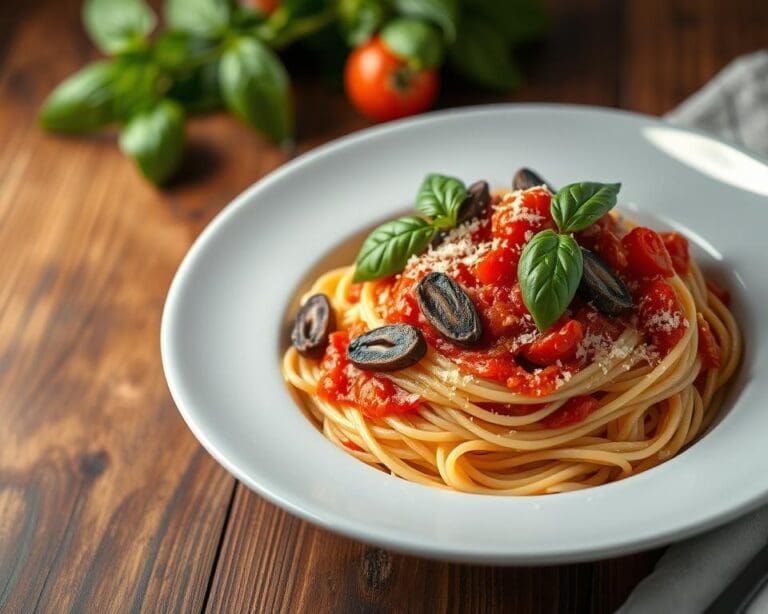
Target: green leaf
255 86
83 102
414 40
359 19
444 13
549 273
482 54
440 198
198 90
203 17
579 205
155 140
193 62
388 248
117 26
179 51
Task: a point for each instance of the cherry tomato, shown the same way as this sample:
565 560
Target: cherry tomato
265 6
382 86
709 348
661 317
646 254
560 344
573 411
677 246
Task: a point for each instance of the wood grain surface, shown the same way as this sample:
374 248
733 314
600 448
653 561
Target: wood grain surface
107 502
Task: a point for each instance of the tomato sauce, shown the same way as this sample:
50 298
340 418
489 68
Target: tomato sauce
482 257
375 395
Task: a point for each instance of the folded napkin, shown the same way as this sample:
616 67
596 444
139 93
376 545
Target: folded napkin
692 573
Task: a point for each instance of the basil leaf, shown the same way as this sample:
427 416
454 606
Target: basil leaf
579 205
117 26
192 60
388 248
155 140
203 17
83 102
549 273
198 91
440 198
414 40
444 13
482 54
255 87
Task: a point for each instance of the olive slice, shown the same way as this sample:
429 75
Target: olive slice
601 287
447 307
314 322
474 204
387 348
526 178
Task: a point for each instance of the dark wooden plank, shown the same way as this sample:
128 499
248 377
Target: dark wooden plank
107 501
673 47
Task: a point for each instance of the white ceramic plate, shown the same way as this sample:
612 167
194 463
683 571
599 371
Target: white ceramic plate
225 321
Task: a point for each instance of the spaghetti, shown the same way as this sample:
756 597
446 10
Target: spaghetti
516 416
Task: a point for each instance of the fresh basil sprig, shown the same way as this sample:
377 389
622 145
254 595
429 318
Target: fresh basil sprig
212 54
388 248
551 265
579 205
549 271
440 198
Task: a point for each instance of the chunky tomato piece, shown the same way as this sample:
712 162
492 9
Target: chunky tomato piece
559 344
677 246
498 266
720 293
374 394
661 317
646 254
602 237
709 348
573 411
505 313
530 213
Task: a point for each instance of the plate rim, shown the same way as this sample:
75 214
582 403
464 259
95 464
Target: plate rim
351 527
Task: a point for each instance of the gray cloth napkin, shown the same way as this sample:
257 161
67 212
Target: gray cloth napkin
692 573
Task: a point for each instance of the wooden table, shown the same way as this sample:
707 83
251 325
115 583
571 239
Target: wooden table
107 502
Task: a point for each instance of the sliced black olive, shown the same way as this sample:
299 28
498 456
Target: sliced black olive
387 348
314 322
601 287
526 178
474 204
448 308
477 199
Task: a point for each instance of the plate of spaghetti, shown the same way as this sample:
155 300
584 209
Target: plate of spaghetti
513 334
